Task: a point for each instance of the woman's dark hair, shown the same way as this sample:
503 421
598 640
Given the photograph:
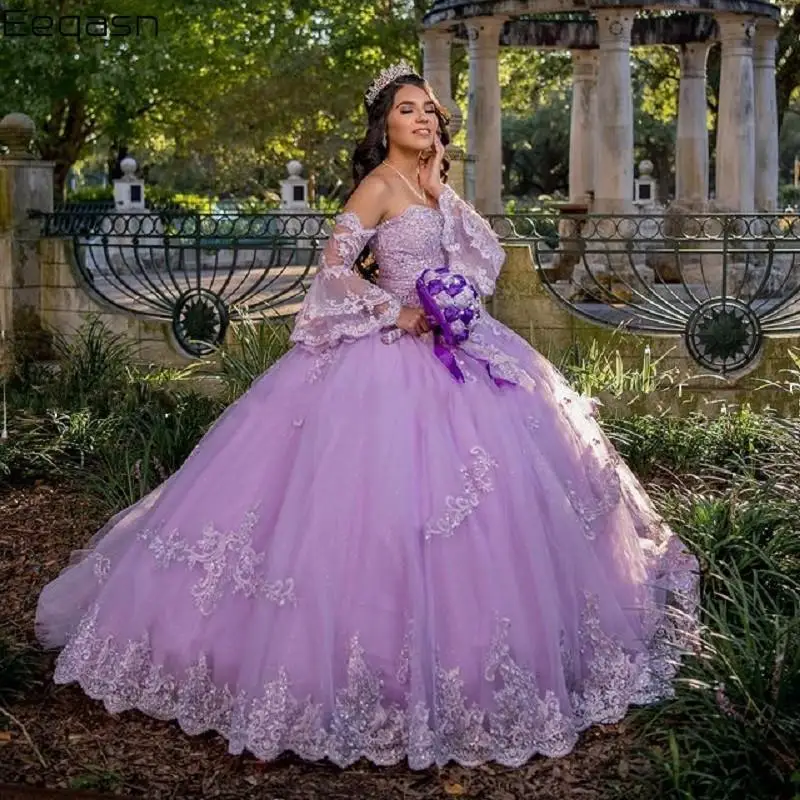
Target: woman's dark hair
371 150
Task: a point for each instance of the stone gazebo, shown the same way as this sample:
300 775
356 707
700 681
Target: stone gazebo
599 34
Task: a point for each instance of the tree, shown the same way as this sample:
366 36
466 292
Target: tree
84 80
536 150
272 78
302 96
788 66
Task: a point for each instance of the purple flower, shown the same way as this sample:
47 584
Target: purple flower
450 303
455 286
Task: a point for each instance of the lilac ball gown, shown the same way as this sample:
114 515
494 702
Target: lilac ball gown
367 558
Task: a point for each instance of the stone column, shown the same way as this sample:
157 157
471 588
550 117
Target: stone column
436 45
436 63
583 128
735 172
484 141
26 183
691 158
614 170
766 101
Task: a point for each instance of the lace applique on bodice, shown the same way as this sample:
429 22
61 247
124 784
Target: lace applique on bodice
406 245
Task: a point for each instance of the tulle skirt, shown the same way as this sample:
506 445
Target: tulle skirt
366 558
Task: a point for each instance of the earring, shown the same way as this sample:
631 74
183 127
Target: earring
383 141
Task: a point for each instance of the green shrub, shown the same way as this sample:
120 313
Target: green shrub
91 194
789 195
90 368
33 449
74 414
21 668
739 441
598 370
156 443
733 729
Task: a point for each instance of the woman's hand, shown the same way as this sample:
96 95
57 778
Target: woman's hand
413 321
430 169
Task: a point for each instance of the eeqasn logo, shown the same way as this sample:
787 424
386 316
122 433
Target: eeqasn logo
17 22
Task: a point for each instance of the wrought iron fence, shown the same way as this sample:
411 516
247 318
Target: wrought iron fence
722 281
193 270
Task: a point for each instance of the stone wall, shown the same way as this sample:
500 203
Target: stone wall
65 304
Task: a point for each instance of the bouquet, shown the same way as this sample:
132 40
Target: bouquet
452 306
450 303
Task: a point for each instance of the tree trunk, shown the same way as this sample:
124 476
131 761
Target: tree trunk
64 136
117 152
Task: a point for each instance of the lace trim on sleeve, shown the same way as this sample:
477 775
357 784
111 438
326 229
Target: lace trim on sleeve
340 304
471 244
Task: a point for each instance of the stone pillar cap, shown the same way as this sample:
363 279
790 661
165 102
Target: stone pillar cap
128 166
16 133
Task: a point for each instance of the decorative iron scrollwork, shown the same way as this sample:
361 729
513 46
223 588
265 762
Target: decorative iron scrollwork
723 335
194 271
199 321
721 281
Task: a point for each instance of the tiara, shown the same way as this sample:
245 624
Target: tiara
385 78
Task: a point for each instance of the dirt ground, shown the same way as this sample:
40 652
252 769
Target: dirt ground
59 738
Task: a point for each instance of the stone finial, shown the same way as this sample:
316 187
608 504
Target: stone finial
16 133
129 190
128 166
294 189
645 186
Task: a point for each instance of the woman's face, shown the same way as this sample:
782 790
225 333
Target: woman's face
412 122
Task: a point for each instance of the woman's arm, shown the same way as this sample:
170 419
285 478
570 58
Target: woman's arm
340 304
472 246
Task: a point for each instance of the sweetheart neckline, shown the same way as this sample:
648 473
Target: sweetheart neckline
404 212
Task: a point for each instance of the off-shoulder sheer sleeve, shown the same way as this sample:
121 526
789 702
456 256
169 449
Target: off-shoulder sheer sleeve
471 245
340 304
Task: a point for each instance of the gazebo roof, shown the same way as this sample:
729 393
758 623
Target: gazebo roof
447 13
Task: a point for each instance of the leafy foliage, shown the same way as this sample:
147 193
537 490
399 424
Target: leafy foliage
233 90
695 444
21 668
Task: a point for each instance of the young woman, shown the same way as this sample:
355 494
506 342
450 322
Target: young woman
368 557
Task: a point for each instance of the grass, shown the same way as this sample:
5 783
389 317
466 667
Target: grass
734 442
733 729
598 369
